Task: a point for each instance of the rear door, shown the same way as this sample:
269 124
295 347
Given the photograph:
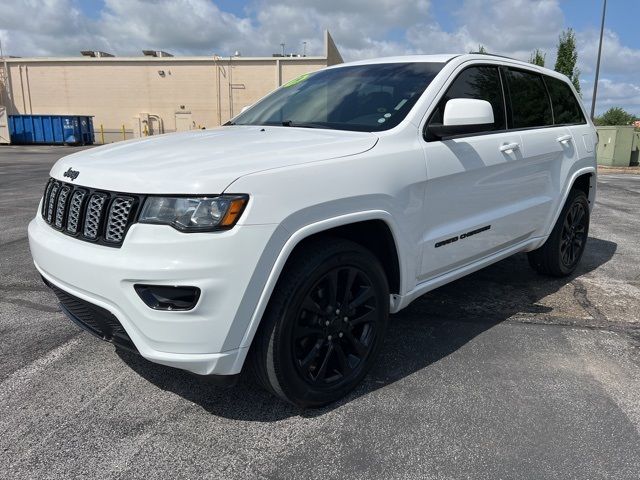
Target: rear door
568 113
547 147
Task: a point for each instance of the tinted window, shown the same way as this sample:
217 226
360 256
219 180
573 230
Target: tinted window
482 83
566 108
364 97
530 105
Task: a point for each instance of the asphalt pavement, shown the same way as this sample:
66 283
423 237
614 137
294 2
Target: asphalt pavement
504 374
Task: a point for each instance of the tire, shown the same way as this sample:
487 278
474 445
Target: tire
561 253
312 346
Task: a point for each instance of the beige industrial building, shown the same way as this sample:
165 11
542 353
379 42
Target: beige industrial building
146 95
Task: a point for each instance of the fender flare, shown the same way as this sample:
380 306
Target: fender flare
291 243
566 189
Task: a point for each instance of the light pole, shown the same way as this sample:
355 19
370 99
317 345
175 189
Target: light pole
595 83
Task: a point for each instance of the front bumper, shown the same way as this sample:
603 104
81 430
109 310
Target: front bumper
204 340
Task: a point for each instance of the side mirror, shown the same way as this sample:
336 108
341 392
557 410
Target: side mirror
463 115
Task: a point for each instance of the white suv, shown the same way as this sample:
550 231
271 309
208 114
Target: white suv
286 237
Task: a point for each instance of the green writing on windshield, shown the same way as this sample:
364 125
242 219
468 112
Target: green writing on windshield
296 80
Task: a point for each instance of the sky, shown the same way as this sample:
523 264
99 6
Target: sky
361 29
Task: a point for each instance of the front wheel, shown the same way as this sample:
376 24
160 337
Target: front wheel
324 324
562 251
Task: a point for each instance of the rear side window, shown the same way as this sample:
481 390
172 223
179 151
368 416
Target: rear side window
566 109
481 83
530 106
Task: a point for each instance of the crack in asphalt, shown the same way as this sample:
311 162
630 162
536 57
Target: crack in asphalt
581 296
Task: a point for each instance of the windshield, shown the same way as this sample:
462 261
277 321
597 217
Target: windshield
368 98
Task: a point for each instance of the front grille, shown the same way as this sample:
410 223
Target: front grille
89 214
62 205
97 320
94 215
118 218
53 192
74 211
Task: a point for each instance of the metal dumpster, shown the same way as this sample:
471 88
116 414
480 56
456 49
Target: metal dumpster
51 129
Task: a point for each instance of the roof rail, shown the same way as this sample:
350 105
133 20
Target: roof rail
495 55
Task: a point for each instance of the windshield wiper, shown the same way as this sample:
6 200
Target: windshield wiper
291 123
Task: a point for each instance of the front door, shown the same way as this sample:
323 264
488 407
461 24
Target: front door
482 194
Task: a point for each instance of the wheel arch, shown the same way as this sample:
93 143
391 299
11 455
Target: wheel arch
352 226
584 179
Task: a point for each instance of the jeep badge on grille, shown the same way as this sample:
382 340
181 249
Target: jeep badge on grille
72 174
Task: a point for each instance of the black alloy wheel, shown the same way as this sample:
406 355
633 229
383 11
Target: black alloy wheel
561 253
573 237
324 324
335 327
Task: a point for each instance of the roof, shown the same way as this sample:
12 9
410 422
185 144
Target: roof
403 59
443 58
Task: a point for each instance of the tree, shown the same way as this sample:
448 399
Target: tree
615 116
481 49
568 57
537 57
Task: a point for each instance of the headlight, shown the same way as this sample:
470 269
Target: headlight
194 214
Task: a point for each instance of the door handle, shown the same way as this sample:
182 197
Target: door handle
509 147
564 138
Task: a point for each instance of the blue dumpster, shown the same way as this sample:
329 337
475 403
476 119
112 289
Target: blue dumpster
51 129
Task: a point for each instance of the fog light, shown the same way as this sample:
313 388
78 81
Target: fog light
164 297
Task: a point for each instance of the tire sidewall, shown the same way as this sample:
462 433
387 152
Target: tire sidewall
292 385
574 197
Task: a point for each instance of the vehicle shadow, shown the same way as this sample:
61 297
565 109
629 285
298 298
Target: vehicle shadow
431 328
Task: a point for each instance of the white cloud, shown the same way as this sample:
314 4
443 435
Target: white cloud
616 58
430 38
361 28
613 93
512 27
43 27
180 26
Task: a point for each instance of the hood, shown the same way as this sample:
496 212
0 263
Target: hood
205 161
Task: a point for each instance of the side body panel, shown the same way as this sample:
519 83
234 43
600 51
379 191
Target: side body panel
521 192
387 183
480 199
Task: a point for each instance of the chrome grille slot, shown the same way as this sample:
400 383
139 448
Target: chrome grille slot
118 218
45 198
62 205
52 200
75 208
93 217
88 214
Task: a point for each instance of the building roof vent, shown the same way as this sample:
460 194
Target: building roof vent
156 53
95 53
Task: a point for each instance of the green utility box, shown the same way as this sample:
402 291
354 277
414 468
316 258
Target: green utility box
635 149
615 145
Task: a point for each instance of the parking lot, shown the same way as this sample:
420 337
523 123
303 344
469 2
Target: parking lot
504 374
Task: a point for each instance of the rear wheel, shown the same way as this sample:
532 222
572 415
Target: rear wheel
562 251
324 324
